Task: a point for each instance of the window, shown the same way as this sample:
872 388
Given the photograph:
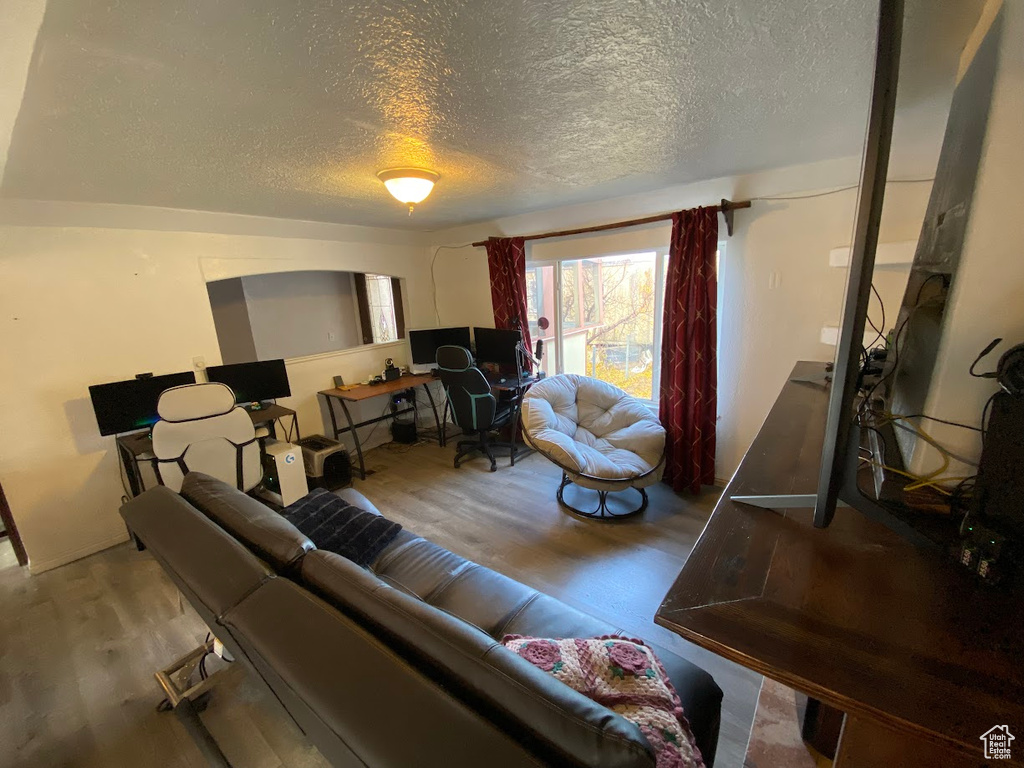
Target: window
605 317
380 308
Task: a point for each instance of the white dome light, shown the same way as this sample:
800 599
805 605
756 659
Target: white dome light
409 185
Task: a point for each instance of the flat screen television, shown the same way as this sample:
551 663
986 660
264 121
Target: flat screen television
127 406
423 343
838 474
253 382
498 346
914 344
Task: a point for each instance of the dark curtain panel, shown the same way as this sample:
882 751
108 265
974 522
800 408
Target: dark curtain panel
688 355
506 261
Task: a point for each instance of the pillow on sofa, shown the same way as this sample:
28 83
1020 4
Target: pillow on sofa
625 676
337 526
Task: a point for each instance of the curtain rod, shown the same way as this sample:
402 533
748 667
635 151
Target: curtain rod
726 207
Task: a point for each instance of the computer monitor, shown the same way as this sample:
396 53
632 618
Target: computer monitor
126 406
253 382
423 343
497 346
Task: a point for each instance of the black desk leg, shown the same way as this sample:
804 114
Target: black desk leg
442 438
131 470
355 439
330 410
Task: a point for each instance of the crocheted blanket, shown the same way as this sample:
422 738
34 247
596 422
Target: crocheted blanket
625 676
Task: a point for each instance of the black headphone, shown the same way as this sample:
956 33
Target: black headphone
1009 371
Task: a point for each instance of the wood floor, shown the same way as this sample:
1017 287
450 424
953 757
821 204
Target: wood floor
79 645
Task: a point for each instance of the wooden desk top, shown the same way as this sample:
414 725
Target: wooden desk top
366 391
852 615
268 412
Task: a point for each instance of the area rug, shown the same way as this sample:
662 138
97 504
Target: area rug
775 738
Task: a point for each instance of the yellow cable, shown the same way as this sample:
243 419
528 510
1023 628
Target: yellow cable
920 482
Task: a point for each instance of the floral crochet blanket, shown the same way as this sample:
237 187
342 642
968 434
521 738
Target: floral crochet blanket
625 676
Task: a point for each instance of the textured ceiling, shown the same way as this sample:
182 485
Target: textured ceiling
289 108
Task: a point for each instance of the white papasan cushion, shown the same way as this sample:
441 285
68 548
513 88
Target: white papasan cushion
592 428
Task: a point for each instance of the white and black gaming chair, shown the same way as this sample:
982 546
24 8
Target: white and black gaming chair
201 429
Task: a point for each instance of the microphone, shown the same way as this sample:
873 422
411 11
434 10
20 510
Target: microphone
540 349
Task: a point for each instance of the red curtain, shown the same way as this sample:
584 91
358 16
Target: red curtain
688 354
506 261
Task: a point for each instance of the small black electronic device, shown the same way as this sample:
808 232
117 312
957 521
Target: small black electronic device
253 382
125 406
499 346
339 381
391 371
999 488
423 344
986 552
404 430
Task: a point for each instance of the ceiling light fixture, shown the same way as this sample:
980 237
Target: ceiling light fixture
409 185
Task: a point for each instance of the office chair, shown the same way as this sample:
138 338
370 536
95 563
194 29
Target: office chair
475 410
202 429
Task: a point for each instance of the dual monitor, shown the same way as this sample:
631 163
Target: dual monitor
126 406
492 345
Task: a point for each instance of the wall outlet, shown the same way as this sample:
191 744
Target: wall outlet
332 336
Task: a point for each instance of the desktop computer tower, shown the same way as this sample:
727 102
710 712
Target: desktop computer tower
284 477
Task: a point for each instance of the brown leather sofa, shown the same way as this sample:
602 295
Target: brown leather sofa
398 664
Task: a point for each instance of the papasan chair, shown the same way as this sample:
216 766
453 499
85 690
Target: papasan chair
603 440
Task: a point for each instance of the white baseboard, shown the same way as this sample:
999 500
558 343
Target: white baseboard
35 567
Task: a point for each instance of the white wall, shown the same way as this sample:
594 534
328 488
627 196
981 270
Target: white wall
986 299
302 313
764 330
87 305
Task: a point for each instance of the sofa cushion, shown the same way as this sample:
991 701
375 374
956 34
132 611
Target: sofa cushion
543 713
447 581
253 523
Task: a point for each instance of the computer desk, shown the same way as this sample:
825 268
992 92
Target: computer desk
137 447
406 383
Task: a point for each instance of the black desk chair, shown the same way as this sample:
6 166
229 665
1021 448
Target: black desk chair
475 410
